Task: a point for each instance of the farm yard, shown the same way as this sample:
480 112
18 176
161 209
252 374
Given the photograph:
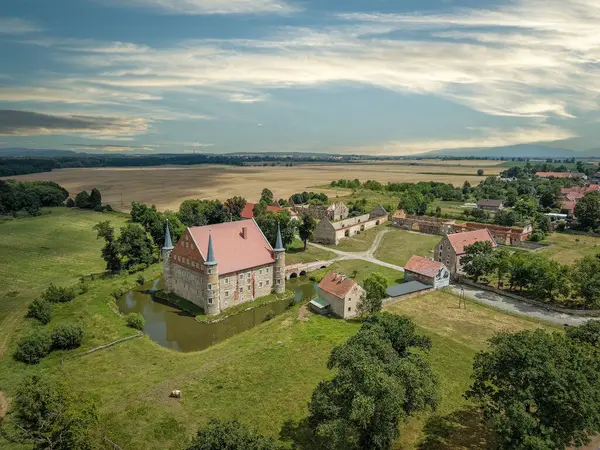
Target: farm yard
168 186
398 246
268 372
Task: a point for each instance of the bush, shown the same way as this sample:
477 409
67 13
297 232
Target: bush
41 310
66 337
83 288
119 292
70 203
136 320
32 348
57 294
108 208
561 226
140 279
537 236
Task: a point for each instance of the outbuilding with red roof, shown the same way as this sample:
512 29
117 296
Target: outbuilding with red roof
427 271
452 247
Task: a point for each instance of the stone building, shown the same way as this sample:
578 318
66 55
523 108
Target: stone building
452 247
490 205
335 211
426 271
219 266
422 224
502 235
338 295
327 232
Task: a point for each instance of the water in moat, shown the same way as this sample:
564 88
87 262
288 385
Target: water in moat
178 330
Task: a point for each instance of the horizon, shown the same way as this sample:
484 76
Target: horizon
288 76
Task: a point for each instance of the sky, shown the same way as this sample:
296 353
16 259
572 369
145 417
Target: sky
373 77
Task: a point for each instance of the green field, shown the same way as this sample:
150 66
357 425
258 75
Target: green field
363 269
398 246
58 247
360 242
262 377
566 248
296 254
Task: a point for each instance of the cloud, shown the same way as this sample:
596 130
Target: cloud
72 92
27 123
112 147
484 138
202 7
13 25
248 98
196 144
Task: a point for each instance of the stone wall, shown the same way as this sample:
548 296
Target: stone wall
444 253
188 284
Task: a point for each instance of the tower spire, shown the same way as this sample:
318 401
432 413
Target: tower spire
279 244
168 243
210 255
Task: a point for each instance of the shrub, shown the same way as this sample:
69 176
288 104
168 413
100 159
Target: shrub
561 225
41 310
70 203
83 288
135 320
32 348
292 302
66 337
119 292
140 279
108 208
537 236
57 294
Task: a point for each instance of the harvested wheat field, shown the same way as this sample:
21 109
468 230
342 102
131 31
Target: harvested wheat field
168 186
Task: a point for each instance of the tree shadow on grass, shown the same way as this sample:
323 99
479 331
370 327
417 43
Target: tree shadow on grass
463 429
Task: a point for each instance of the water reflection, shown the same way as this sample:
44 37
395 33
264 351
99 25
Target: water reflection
177 330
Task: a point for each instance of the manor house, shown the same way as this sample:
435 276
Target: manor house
219 266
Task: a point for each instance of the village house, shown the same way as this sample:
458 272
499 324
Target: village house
422 224
339 296
549 175
452 247
502 235
327 232
334 212
219 266
248 211
426 271
490 205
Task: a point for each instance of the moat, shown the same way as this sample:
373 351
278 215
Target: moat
177 330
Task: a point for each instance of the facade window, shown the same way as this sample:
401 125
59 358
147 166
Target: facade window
210 271
241 290
349 308
267 282
210 300
227 280
248 288
241 276
260 272
226 293
209 286
260 284
248 275
278 282
267 270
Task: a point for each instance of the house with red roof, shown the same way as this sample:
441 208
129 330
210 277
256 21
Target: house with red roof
220 266
338 295
426 271
452 247
550 175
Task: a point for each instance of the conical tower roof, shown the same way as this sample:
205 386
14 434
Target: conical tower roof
168 243
279 244
210 255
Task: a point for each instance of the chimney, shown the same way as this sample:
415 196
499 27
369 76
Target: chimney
245 232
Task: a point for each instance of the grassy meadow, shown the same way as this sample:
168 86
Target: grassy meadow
567 248
398 246
296 254
262 376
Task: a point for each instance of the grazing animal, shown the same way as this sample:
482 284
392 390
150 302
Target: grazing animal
175 394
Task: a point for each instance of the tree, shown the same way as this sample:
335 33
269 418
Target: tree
548 199
230 435
82 200
41 310
380 380
70 203
478 259
588 333
542 223
587 210
306 228
235 206
375 286
586 280
466 189
95 199
268 224
512 196
526 206
45 417
506 218
135 247
502 263
111 251
480 172
538 390
259 209
266 196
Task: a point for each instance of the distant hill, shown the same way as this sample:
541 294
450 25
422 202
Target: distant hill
518 151
50 153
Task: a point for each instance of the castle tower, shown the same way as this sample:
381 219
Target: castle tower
212 291
166 257
279 272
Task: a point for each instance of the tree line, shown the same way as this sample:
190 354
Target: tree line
27 197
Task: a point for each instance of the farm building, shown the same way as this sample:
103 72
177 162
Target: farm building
333 212
452 247
219 266
426 271
248 211
490 205
422 224
549 175
338 295
502 235
331 233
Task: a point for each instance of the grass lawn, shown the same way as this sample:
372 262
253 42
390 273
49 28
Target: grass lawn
566 248
399 245
363 270
360 242
296 254
262 376
58 247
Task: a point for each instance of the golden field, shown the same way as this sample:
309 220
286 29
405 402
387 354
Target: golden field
168 186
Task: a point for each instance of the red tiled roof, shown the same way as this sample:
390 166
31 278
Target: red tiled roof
574 196
481 226
568 205
553 174
580 189
461 240
337 284
423 266
233 253
247 212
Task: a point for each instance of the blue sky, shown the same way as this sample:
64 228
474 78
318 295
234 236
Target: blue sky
340 76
